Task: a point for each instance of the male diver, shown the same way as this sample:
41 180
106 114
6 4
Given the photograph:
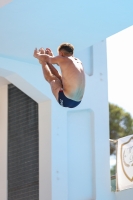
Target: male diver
67 87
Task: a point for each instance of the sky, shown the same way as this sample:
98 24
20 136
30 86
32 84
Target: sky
120 69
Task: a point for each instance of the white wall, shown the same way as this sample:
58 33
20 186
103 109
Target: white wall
80 136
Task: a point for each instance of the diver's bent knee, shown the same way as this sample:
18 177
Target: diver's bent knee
54 81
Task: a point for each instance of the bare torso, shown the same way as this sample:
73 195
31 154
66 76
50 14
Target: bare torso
73 78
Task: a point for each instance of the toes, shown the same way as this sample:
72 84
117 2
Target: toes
41 50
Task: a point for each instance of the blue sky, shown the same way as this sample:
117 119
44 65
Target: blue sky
120 69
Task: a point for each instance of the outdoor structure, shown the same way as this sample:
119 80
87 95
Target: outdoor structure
69 147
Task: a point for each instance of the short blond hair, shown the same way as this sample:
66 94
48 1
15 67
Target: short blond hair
67 47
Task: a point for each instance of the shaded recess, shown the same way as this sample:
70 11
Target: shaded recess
23 146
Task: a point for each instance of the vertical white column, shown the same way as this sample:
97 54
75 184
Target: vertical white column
45 184
80 155
3 141
99 95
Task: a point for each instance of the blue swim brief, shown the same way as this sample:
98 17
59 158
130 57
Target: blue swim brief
65 102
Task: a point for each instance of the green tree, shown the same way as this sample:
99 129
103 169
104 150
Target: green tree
121 124
113 170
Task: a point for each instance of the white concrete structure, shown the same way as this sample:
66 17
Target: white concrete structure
77 140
